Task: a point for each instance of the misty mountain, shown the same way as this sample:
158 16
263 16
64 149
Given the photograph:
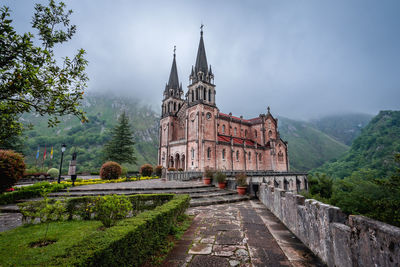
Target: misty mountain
308 147
373 149
344 128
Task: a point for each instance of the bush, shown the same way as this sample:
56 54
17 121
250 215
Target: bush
158 170
220 177
180 170
209 173
111 208
241 179
124 172
110 170
146 170
12 168
53 172
171 169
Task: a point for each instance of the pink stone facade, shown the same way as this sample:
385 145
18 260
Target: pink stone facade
195 135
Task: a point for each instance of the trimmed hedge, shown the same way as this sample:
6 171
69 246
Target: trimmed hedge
31 191
130 242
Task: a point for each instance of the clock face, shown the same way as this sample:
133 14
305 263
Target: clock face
192 116
208 115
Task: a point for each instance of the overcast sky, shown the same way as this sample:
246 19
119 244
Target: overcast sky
305 59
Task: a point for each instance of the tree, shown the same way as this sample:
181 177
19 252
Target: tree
120 148
30 78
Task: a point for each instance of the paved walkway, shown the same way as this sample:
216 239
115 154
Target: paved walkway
240 234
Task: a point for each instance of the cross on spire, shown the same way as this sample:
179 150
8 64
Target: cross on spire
201 29
174 49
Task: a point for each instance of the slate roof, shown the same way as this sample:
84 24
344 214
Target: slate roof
201 60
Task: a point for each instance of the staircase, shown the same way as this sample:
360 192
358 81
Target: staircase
201 195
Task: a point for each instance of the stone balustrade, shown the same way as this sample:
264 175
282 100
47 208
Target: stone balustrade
339 240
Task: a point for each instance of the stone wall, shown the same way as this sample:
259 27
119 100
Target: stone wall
339 240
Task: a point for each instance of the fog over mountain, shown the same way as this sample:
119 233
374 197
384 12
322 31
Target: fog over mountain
304 59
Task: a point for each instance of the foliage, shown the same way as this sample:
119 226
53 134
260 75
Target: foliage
373 149
321 185
30 78
30 191
121 146
109 209
158 170
79 182
171 169
241 179
53 172
220 177
12 168
45 210
110 170
130 242
209 173
146 170
180 169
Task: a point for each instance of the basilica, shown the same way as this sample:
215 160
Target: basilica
195 135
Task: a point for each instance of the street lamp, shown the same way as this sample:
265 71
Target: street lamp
63 147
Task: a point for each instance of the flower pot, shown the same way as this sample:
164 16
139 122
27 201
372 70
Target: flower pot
241 190
221 185
207 180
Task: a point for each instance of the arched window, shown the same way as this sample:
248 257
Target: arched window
237 155
255 133
169 106
270 134
204 94
197 94
235 131
259 157
280 156
163 156
223 128
192 153
223 153
209 95
174 106
249 156
245 133
209 152
192 96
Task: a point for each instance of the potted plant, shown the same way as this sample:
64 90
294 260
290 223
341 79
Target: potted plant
221 179
208 175
241 182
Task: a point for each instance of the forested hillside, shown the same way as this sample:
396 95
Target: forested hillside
373 149
88 139
308 147
344 128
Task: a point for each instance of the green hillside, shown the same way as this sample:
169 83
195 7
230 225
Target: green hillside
344 128
308 147
373 149
88 139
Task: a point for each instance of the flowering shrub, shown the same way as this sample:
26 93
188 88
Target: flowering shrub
110 170
171 169
209 173
241 179
146 170
158 170
12 168
111 208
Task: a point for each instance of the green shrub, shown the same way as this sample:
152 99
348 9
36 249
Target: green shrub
158 170
110 170
31 191
130 242
180 169
46 210
146 170
209 173
111 208
12 168
124 172
241 179
171 169
220 177
53 172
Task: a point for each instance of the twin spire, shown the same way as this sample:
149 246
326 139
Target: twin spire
200 72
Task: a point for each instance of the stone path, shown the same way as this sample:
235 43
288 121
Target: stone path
239 234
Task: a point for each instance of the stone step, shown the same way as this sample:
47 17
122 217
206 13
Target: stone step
76 193
217 200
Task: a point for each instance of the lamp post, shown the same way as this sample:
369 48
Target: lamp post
63 147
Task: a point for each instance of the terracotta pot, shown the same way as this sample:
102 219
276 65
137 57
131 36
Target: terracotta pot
241 190
207 180
221 185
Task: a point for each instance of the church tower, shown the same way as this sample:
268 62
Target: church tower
172 100
201 88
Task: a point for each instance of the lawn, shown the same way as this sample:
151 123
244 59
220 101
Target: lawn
16 251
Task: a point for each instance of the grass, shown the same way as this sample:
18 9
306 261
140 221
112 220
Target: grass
15 247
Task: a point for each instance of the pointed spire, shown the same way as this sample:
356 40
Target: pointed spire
173 82
201 60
